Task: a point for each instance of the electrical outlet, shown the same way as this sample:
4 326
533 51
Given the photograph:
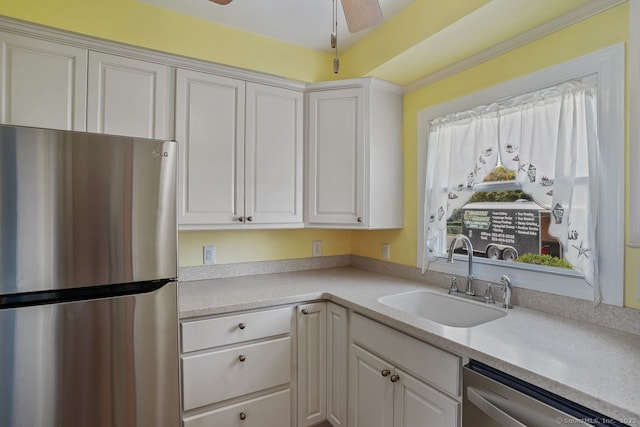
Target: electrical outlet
386 251
316 248
209 255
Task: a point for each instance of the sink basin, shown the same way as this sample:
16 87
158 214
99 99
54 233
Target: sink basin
444 309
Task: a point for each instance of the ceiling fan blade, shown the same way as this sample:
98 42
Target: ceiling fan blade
361 14
222 2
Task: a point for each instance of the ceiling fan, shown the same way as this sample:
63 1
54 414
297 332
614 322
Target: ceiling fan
359 14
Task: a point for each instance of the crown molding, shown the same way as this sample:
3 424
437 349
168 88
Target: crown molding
83 41
579 14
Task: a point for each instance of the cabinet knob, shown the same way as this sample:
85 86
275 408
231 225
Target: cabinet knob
241 219
241 325
242 358
385 372
394 378
359 219
249 218
243 416
305 311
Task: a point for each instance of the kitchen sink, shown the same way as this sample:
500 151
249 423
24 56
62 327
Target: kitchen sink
444 309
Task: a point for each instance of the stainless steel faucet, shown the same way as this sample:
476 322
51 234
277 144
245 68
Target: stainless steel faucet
506 282
470 279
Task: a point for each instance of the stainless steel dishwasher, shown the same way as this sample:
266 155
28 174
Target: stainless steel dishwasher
495 399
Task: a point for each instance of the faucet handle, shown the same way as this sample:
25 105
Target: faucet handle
488 295
454 285
506 285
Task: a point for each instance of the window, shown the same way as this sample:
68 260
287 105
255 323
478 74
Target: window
604 72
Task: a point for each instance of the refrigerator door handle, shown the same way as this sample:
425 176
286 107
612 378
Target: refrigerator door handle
476 397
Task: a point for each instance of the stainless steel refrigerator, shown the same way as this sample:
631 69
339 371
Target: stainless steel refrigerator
88 294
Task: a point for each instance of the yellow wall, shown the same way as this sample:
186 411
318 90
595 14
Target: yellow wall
266 245
140 24
602 30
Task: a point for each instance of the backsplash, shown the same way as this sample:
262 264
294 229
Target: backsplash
620 318
220 271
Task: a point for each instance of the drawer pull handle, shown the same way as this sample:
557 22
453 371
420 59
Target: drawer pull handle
241 325
249 218
243 416
305 311
385 372
394 378
242 358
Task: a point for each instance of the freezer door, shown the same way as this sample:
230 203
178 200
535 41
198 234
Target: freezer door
100 363
81 209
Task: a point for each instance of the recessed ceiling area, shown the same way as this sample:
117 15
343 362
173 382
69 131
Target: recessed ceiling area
305 23
416 39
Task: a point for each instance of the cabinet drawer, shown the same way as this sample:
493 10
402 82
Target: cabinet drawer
272 410
202 334
429 363
219 375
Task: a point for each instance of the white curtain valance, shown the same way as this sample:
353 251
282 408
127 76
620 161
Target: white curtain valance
549 138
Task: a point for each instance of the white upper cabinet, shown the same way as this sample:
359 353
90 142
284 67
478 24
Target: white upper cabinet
210 133
128 97
43 83
273 155
355 155
241 151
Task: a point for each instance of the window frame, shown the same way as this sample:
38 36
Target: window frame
608 65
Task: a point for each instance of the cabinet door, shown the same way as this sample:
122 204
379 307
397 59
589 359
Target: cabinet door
312 363
336 157
210 134
44 84
127 97
418 405
337 361
273 155
370 390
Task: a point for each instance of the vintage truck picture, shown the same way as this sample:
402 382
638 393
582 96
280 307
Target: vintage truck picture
506 230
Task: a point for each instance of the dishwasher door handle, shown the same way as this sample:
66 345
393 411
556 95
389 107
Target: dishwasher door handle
475 396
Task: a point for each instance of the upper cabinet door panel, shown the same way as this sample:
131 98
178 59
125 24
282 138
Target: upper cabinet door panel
210 133
273 155
43 83
336 157
127 97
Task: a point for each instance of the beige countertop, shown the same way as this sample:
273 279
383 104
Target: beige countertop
594 366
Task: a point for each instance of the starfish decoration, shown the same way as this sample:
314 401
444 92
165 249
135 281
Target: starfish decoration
582 250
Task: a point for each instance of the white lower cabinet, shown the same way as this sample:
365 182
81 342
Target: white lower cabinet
337 364
418 405
323 341
312 363
371 390
382 392
237 369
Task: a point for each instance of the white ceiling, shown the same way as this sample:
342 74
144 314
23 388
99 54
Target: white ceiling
305 23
